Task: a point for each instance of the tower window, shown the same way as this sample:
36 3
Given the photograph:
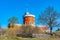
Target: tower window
30 23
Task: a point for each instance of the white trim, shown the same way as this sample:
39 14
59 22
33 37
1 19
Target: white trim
42 26
28 14
18 24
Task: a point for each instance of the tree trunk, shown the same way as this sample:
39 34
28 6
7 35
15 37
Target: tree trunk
51 31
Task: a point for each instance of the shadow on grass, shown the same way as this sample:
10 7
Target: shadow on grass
25 35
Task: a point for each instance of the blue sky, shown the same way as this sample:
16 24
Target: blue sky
9 8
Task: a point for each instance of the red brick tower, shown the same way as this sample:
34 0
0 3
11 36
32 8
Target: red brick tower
29 18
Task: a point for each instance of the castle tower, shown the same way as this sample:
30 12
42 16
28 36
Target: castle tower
29 18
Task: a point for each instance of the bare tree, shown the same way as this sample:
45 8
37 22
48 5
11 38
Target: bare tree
13 20
0 26
49 17
27 30
36 30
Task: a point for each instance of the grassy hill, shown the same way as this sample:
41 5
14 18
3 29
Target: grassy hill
10 33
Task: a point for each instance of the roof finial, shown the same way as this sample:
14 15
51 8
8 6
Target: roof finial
27 8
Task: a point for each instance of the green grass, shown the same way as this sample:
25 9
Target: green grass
20 38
